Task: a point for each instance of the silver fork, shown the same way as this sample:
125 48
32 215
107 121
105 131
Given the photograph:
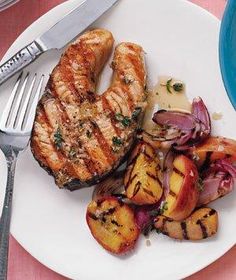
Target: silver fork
15 129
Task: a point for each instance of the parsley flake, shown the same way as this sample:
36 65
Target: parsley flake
88 133
126 121
58 139
117 141
136 113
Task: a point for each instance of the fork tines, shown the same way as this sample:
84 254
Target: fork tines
18 115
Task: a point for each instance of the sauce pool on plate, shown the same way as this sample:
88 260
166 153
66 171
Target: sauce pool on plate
168 94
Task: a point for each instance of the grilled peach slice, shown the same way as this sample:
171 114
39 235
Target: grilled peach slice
112 224
183 193
212 149
142 179
201 224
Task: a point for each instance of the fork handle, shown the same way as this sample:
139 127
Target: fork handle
20 60
6 218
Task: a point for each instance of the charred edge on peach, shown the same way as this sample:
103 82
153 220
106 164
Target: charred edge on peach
178 172
137 188
184 230
203 229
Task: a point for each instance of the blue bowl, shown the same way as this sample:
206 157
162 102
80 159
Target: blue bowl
227 50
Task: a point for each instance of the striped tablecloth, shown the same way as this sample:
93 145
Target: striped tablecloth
22 266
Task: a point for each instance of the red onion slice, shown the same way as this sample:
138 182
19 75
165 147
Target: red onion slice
190 128
199 110
218 181
176 119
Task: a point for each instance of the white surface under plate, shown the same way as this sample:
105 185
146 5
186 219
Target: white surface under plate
180 40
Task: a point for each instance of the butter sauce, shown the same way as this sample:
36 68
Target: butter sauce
160 98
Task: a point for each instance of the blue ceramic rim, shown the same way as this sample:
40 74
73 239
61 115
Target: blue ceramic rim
224 50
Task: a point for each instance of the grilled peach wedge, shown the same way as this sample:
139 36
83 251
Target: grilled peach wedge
212 149
201 224
183 192
112 224
142 179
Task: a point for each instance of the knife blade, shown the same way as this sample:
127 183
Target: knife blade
57 36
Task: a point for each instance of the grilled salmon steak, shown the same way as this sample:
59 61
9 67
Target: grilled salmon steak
79 137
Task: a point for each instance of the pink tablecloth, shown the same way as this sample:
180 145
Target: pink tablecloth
21 265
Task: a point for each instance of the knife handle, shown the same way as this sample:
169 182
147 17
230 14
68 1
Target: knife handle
20 60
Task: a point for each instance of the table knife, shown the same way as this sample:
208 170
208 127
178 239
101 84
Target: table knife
57 36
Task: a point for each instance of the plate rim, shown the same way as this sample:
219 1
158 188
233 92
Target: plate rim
179 274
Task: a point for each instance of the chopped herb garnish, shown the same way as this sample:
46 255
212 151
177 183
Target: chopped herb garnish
178 87
119 117
136 113
168 85
72 152
117 141
159 211
126 121
115 149
164 207
200 185
158 231
58 139
157 93
89 133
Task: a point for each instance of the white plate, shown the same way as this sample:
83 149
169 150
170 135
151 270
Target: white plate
180 40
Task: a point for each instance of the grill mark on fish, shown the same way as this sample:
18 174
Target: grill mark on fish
105 147
184 230
124 91
46 121
203 229
83 93
116 103
62 109
38 152
138 67
106 107
89 163
59 102
178 172
70 167
129 97
68 79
